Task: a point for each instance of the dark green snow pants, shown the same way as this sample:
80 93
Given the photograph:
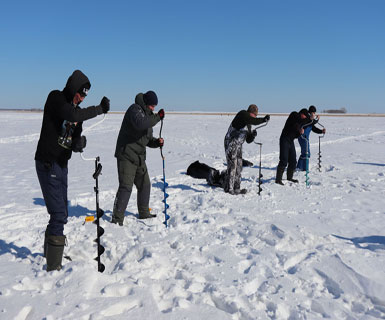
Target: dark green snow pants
130 174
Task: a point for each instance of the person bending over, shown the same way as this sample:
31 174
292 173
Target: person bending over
239 131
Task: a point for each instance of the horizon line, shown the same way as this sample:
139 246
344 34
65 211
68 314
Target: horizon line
330 114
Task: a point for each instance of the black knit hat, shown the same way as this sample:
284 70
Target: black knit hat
305 112
312 109
150 98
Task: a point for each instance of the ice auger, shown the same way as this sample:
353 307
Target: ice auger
99 214
165 184
319 149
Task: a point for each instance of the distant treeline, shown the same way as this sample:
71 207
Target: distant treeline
342 110
24 110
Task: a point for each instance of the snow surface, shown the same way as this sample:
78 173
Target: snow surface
291 253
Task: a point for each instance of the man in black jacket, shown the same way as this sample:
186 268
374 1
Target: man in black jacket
293 129
60 135
234 139
303 139
134 136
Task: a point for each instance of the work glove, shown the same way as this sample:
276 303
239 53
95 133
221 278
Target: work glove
105 104
161 114
251 136
266 118
79 143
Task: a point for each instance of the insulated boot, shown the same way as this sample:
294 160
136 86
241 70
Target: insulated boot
120 205
54 255
238 191
290 173
144 213
116 221
278 178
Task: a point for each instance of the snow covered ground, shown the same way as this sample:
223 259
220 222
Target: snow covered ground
291 253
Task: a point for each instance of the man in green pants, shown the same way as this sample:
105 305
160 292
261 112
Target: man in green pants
134 136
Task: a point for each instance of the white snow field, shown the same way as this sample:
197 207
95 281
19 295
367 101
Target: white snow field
293 252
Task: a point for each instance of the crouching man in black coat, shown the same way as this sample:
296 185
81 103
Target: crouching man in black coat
293 129
60 135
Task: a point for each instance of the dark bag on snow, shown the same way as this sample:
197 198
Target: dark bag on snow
199 170
202 171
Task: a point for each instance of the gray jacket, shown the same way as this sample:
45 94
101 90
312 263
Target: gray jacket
136 133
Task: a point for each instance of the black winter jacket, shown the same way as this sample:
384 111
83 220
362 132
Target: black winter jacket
136 132
58 110
293 125
243 118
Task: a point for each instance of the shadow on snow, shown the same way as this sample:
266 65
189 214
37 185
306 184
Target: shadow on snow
371 164
73 211
183 187
371 243
18 252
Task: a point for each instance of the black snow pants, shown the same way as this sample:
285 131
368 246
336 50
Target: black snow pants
53 181
287 154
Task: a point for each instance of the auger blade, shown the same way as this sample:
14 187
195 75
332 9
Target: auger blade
100 213
101 267
100 231
100 249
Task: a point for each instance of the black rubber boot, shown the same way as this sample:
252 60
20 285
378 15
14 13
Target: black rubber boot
54 255
278 178
144 213
290 173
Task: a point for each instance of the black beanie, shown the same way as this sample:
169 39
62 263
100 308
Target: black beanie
305 112
150 98
312 109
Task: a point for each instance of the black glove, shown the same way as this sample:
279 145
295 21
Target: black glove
161 114
251 136
79 143
266 118
105 104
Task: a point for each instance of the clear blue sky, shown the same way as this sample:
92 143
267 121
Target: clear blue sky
198 55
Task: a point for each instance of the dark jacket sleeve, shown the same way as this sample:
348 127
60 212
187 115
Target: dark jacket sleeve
250 120
316 130
243 118
153 143
140 120
70 113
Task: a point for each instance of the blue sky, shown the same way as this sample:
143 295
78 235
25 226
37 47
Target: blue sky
198 55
